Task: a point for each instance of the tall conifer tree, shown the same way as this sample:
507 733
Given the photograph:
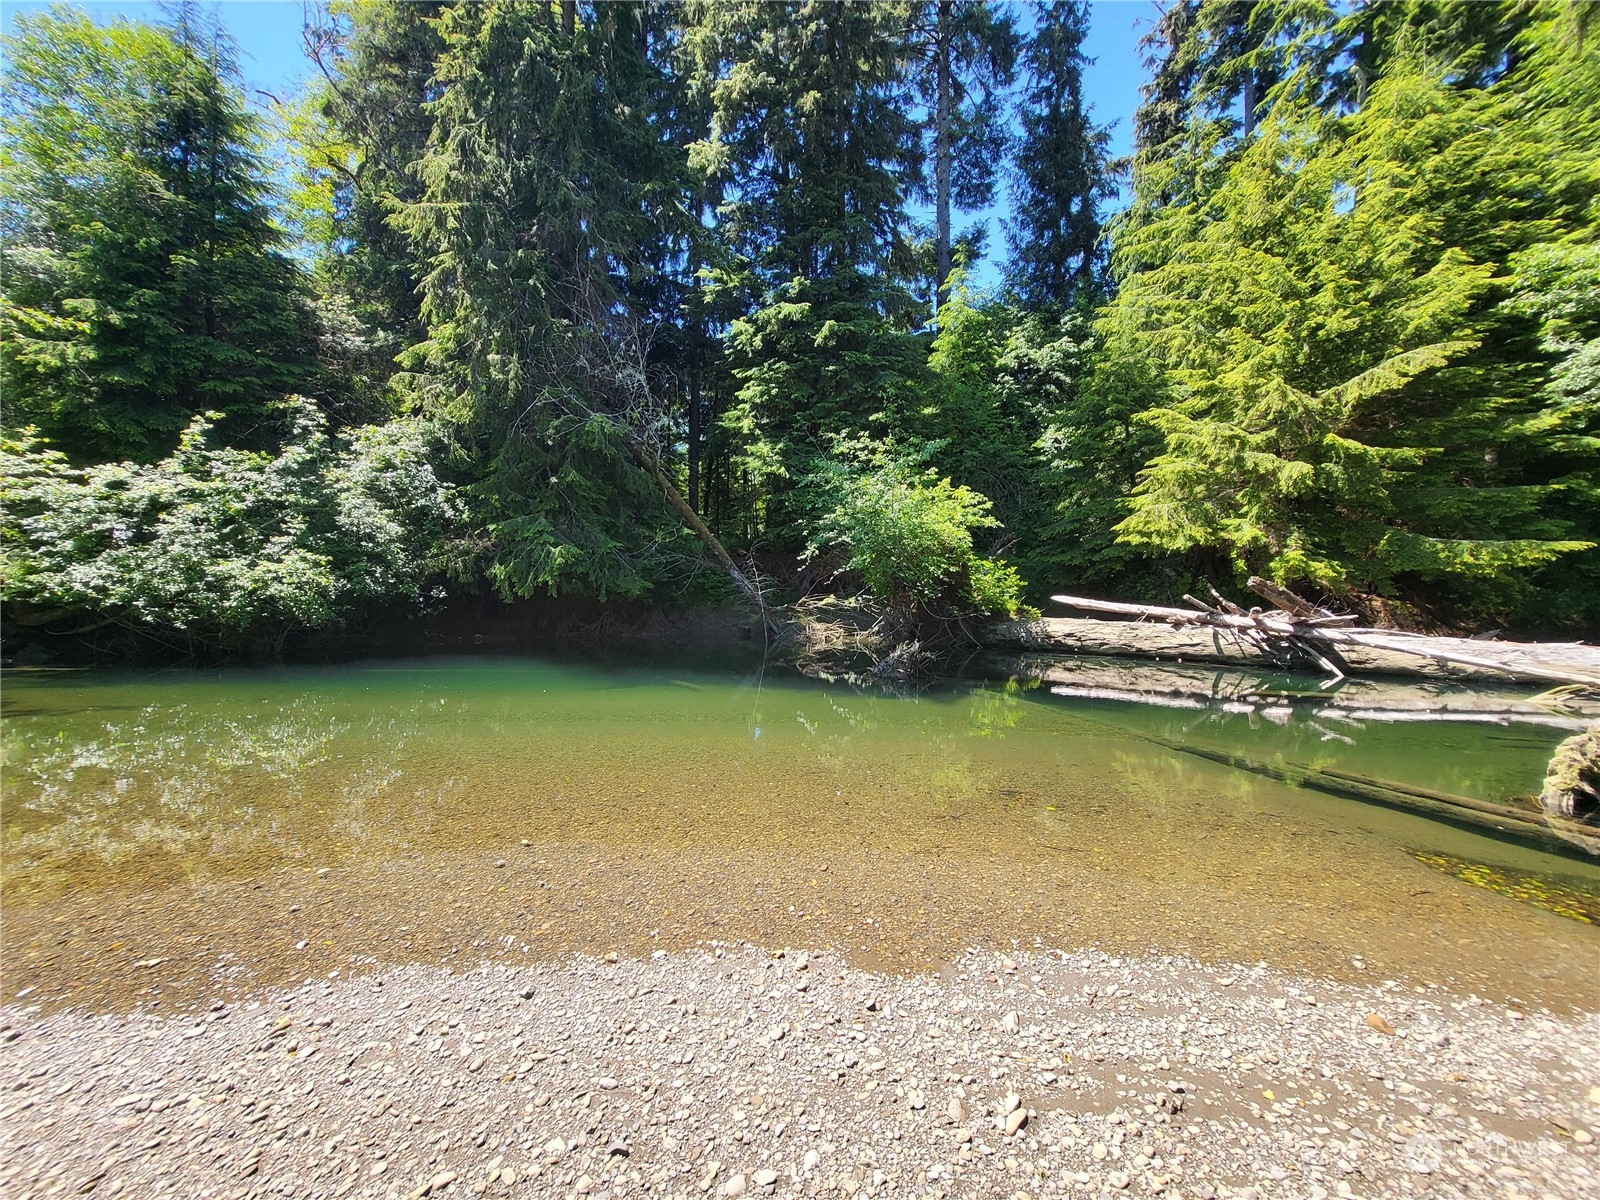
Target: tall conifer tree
144 274
1063 170
810 143
963 57
546 190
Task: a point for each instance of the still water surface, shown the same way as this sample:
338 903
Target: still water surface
244 825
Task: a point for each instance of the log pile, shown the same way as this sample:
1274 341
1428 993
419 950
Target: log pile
1295 633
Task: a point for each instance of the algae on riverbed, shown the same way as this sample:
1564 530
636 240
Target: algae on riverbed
1574 900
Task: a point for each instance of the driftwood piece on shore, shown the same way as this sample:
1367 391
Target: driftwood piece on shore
1285 599
1545 661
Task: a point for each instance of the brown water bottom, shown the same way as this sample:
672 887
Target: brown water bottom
186 940
897 840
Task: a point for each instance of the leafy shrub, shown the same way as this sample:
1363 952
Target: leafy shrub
908 532
214 541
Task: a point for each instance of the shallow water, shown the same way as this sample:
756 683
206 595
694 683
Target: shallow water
173 833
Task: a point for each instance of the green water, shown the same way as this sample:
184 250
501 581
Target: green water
995 811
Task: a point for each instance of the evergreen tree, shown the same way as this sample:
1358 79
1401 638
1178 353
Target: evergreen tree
963 57
545 190
1063 170
1352 406
810 141
143 276
367 126
1168 53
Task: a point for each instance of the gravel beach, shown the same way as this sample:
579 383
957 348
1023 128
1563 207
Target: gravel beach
729 1070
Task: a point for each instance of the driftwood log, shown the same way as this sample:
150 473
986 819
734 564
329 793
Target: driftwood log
1199 644
1226 633
1572 783
1253 691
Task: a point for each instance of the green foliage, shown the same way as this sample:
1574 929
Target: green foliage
816 363
142 272
545 183
810 142
908 533
1346 399
984 422
358 135
215 541
1348 338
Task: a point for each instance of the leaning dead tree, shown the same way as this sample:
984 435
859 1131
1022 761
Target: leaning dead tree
602 372
1295 630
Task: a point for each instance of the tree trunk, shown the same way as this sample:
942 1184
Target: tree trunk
694 422
1554 661
569 17
942 152
652 465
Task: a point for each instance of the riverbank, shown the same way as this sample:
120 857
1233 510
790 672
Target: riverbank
727 1070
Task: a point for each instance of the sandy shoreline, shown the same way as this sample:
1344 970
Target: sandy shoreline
730 1070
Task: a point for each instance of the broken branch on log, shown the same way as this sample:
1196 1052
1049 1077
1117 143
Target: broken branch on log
1284 599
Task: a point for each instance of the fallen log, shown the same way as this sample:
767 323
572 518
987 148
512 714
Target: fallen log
1529 827
1192 644
1545 830
1240 690
1559 663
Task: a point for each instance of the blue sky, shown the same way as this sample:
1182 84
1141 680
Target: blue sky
272 58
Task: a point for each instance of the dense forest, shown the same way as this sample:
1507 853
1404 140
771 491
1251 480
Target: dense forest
621 300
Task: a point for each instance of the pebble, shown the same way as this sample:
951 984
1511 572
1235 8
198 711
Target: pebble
646 1076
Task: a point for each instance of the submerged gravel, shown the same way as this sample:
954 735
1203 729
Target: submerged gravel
733 1071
